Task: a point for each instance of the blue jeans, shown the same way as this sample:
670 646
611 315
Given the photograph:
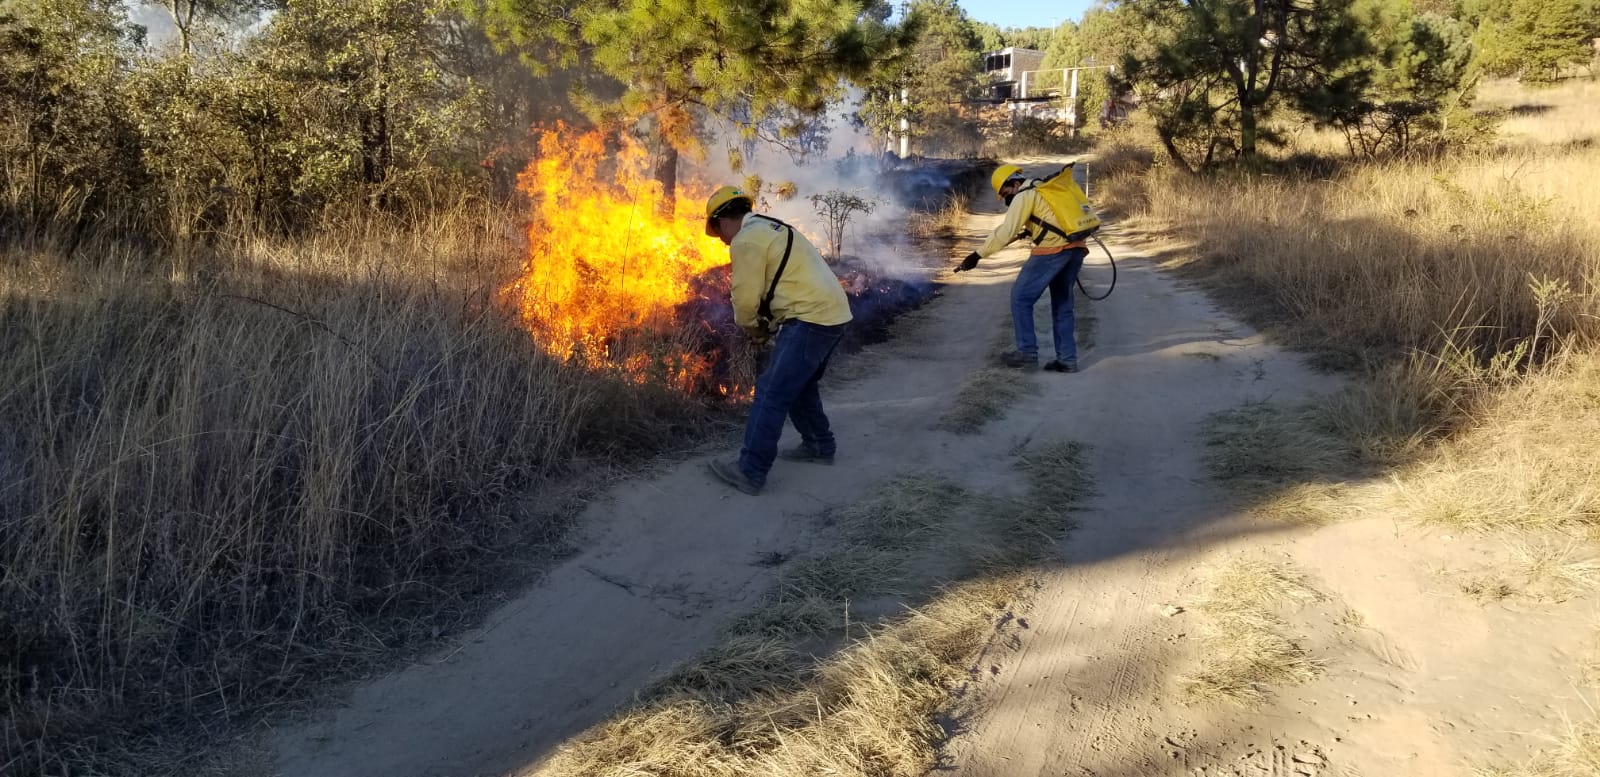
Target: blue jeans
788 388
1057 272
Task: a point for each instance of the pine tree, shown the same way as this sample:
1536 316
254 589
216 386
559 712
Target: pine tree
941 70
1223 66
1416 79
1533 39
744 60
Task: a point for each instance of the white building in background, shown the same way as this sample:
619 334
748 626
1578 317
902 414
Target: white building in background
1016 78
1005 69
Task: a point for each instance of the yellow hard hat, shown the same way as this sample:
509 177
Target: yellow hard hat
722 196
1002 174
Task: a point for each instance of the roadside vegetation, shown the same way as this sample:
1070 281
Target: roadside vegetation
1454 284
269 416
218 490
1459 289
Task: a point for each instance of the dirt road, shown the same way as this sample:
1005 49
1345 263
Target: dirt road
1088 691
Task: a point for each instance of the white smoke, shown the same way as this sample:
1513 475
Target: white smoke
852 162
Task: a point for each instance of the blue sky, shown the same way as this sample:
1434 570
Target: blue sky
1024 13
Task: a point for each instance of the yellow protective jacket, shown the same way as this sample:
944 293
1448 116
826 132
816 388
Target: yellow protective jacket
1026 203
808 290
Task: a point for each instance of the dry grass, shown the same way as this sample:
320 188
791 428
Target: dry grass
1529 464
1244 646
985 397
1286 464
868 710
944 222
1385 259
762 703
1556 570
228 477
1565 114
1466 293
1577 754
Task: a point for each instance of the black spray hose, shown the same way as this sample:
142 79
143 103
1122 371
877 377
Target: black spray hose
1109 258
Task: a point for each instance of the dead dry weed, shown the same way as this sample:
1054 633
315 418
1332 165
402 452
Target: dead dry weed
1576 754
1245 649
984 397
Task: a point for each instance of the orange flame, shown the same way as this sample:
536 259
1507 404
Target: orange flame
606 273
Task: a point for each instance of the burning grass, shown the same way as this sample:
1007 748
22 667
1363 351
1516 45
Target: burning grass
615 284
610 266
764 704
267 462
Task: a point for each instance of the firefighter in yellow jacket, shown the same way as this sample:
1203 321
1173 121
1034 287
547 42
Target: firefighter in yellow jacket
1054 265
782 288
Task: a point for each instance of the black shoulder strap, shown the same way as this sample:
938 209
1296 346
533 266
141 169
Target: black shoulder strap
765 311
1044 226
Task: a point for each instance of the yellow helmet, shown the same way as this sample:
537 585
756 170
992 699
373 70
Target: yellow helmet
722 196
1002 174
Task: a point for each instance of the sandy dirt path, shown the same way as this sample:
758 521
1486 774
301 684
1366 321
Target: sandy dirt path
667 561
1084 684
1418 679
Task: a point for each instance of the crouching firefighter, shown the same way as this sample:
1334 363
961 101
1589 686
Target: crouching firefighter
1056 216
782 289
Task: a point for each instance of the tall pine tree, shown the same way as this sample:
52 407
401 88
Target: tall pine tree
1225 65
746 60
1533 39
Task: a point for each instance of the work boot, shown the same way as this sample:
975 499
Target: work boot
805 453
1056 365
1018 360
729 472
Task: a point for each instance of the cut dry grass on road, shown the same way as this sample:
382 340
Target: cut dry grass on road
1547 568
1245 650
984 397
1279 461
936 567
1577 754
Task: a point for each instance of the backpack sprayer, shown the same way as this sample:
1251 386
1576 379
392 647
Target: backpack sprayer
1070 205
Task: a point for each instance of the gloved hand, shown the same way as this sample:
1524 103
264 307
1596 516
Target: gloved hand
968 263
760 336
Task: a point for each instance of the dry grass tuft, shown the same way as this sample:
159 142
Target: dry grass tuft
1057 474
1246 652
985 397
1576 755
944 222
1528 465
1556 571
